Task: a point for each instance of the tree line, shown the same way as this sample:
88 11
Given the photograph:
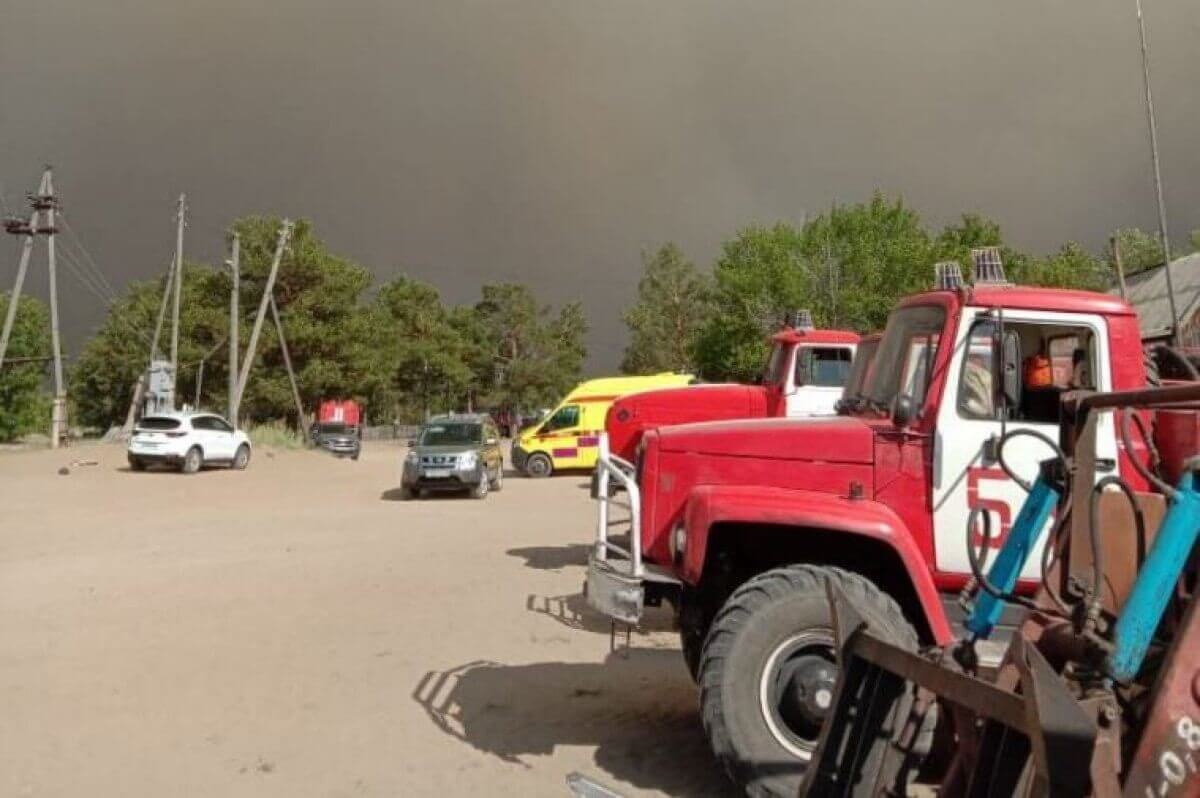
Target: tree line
396 347
848 266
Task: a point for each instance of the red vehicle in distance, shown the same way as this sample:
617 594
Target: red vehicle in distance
804 376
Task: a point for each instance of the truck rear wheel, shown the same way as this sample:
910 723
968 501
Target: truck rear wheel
768 671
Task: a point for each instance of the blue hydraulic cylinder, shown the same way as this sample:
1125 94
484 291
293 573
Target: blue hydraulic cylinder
1022 540
1155 583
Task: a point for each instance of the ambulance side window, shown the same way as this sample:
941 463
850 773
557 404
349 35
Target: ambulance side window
565 417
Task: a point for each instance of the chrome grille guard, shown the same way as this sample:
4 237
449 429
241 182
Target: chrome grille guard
610 467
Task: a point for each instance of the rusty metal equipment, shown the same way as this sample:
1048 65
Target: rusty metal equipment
1099 691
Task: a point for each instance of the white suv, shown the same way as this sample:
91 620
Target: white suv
187 441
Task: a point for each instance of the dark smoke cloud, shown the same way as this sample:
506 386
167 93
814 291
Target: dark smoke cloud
550 141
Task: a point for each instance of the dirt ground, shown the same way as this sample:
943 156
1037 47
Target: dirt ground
295 630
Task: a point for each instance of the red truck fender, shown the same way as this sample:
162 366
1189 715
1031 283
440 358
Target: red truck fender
759 504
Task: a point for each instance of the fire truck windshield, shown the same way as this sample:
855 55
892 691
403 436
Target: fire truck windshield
777 365
906 354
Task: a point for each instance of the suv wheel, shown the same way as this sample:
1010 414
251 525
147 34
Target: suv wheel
768 673
242 458
538 465
480 491
136 463
498 482
192 461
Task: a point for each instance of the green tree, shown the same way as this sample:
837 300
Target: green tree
24 406
332 337
671 307
425 353
759 275
1071 267
525 354
848 266
1140 250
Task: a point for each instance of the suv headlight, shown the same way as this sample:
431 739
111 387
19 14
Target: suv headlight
467 461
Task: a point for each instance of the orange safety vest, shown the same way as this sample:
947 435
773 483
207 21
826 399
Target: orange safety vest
1039 372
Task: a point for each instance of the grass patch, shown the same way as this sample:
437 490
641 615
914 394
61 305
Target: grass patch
274 435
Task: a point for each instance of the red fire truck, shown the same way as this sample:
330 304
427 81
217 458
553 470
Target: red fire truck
740 525
805 376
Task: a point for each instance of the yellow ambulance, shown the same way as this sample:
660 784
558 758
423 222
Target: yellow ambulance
569 434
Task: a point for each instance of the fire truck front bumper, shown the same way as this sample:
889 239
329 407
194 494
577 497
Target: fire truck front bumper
612 590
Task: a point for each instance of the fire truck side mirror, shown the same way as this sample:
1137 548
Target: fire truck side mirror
902 411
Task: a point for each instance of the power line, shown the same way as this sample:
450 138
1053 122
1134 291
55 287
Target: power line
87 255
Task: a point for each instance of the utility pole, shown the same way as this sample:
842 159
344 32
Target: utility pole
58 415
235 257
285 230
1158 186
179 222
287 362
29 230
140 388
1115 243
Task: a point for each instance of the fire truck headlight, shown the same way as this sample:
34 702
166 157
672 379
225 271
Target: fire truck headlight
679 541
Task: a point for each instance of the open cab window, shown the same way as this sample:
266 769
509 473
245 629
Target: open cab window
1044 361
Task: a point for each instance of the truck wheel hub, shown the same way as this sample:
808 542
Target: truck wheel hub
797 689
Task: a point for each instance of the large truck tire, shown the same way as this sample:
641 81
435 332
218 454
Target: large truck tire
767 672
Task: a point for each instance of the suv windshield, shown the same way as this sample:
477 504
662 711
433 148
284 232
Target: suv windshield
451 434
906 354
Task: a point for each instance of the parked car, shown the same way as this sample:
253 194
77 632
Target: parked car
454 453
187 441
338 427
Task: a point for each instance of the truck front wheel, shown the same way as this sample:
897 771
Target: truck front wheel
768 671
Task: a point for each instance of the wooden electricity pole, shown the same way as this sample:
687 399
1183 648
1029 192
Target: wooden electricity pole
234 265
285 230
179 222
139 389
1115 242
43 202
1158 184
29 231
287 362
58 414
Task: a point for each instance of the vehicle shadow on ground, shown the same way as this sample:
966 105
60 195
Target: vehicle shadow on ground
553 558
640 713
573 611
397 495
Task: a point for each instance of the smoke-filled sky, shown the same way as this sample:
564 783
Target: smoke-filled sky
551 141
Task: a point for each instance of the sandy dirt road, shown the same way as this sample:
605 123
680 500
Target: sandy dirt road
295 630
